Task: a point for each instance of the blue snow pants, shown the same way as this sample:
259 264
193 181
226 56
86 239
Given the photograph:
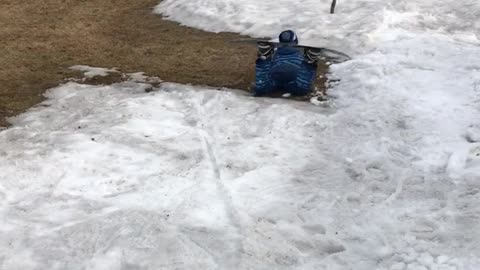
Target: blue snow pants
285 71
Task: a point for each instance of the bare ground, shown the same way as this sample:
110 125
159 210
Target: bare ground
40 39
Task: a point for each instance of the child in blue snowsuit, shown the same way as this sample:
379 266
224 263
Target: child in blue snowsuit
283 69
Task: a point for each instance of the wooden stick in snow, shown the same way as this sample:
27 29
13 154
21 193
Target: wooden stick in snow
332 7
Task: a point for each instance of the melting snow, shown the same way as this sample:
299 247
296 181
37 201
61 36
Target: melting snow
386 176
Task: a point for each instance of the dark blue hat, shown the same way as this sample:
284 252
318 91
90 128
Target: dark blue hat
288 37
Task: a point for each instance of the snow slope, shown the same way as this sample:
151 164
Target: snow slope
387 177
353 27
408 103
111 177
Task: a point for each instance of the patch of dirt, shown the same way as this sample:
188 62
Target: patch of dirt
41 39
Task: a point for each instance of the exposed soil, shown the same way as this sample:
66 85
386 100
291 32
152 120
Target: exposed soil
39 40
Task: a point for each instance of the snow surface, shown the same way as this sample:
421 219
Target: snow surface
386 177
355 27
111 177
91 72
406 120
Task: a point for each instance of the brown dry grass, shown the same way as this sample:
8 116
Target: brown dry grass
40 39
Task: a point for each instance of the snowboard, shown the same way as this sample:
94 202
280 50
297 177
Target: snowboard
326 54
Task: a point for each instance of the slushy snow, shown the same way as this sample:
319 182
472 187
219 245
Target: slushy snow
90 72
387 176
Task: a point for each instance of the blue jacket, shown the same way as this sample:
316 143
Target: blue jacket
285 65
286 70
